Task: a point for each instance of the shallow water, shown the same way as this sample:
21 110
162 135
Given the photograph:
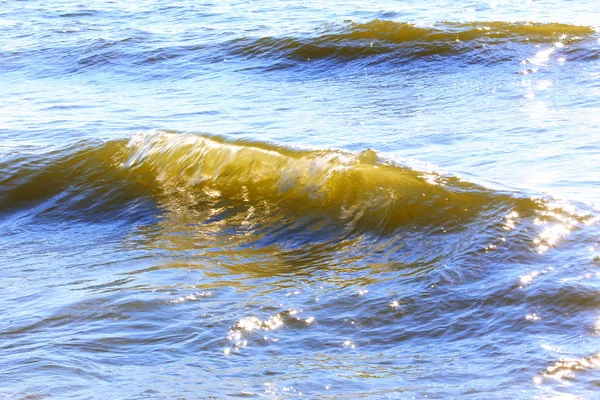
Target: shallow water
283 199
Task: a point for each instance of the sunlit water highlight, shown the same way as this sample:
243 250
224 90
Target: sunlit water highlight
299 199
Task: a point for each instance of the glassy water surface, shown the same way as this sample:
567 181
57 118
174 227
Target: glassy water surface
297 198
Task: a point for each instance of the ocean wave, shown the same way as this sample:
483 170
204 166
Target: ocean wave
406 41
200 178
358 188
77 182
137 53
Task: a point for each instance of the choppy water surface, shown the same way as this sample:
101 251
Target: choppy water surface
284 199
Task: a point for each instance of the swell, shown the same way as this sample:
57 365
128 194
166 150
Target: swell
202 179
137 53
408 41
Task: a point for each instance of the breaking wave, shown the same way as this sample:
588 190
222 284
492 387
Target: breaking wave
202 179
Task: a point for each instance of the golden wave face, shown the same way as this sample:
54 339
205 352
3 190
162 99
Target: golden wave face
216 186
355 188
408 41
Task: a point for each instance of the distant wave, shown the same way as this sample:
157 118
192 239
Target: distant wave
406 41
377 41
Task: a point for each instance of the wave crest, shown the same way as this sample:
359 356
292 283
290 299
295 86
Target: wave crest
357 188
191 179
406 41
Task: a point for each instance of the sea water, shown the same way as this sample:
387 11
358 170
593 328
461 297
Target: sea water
287 199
